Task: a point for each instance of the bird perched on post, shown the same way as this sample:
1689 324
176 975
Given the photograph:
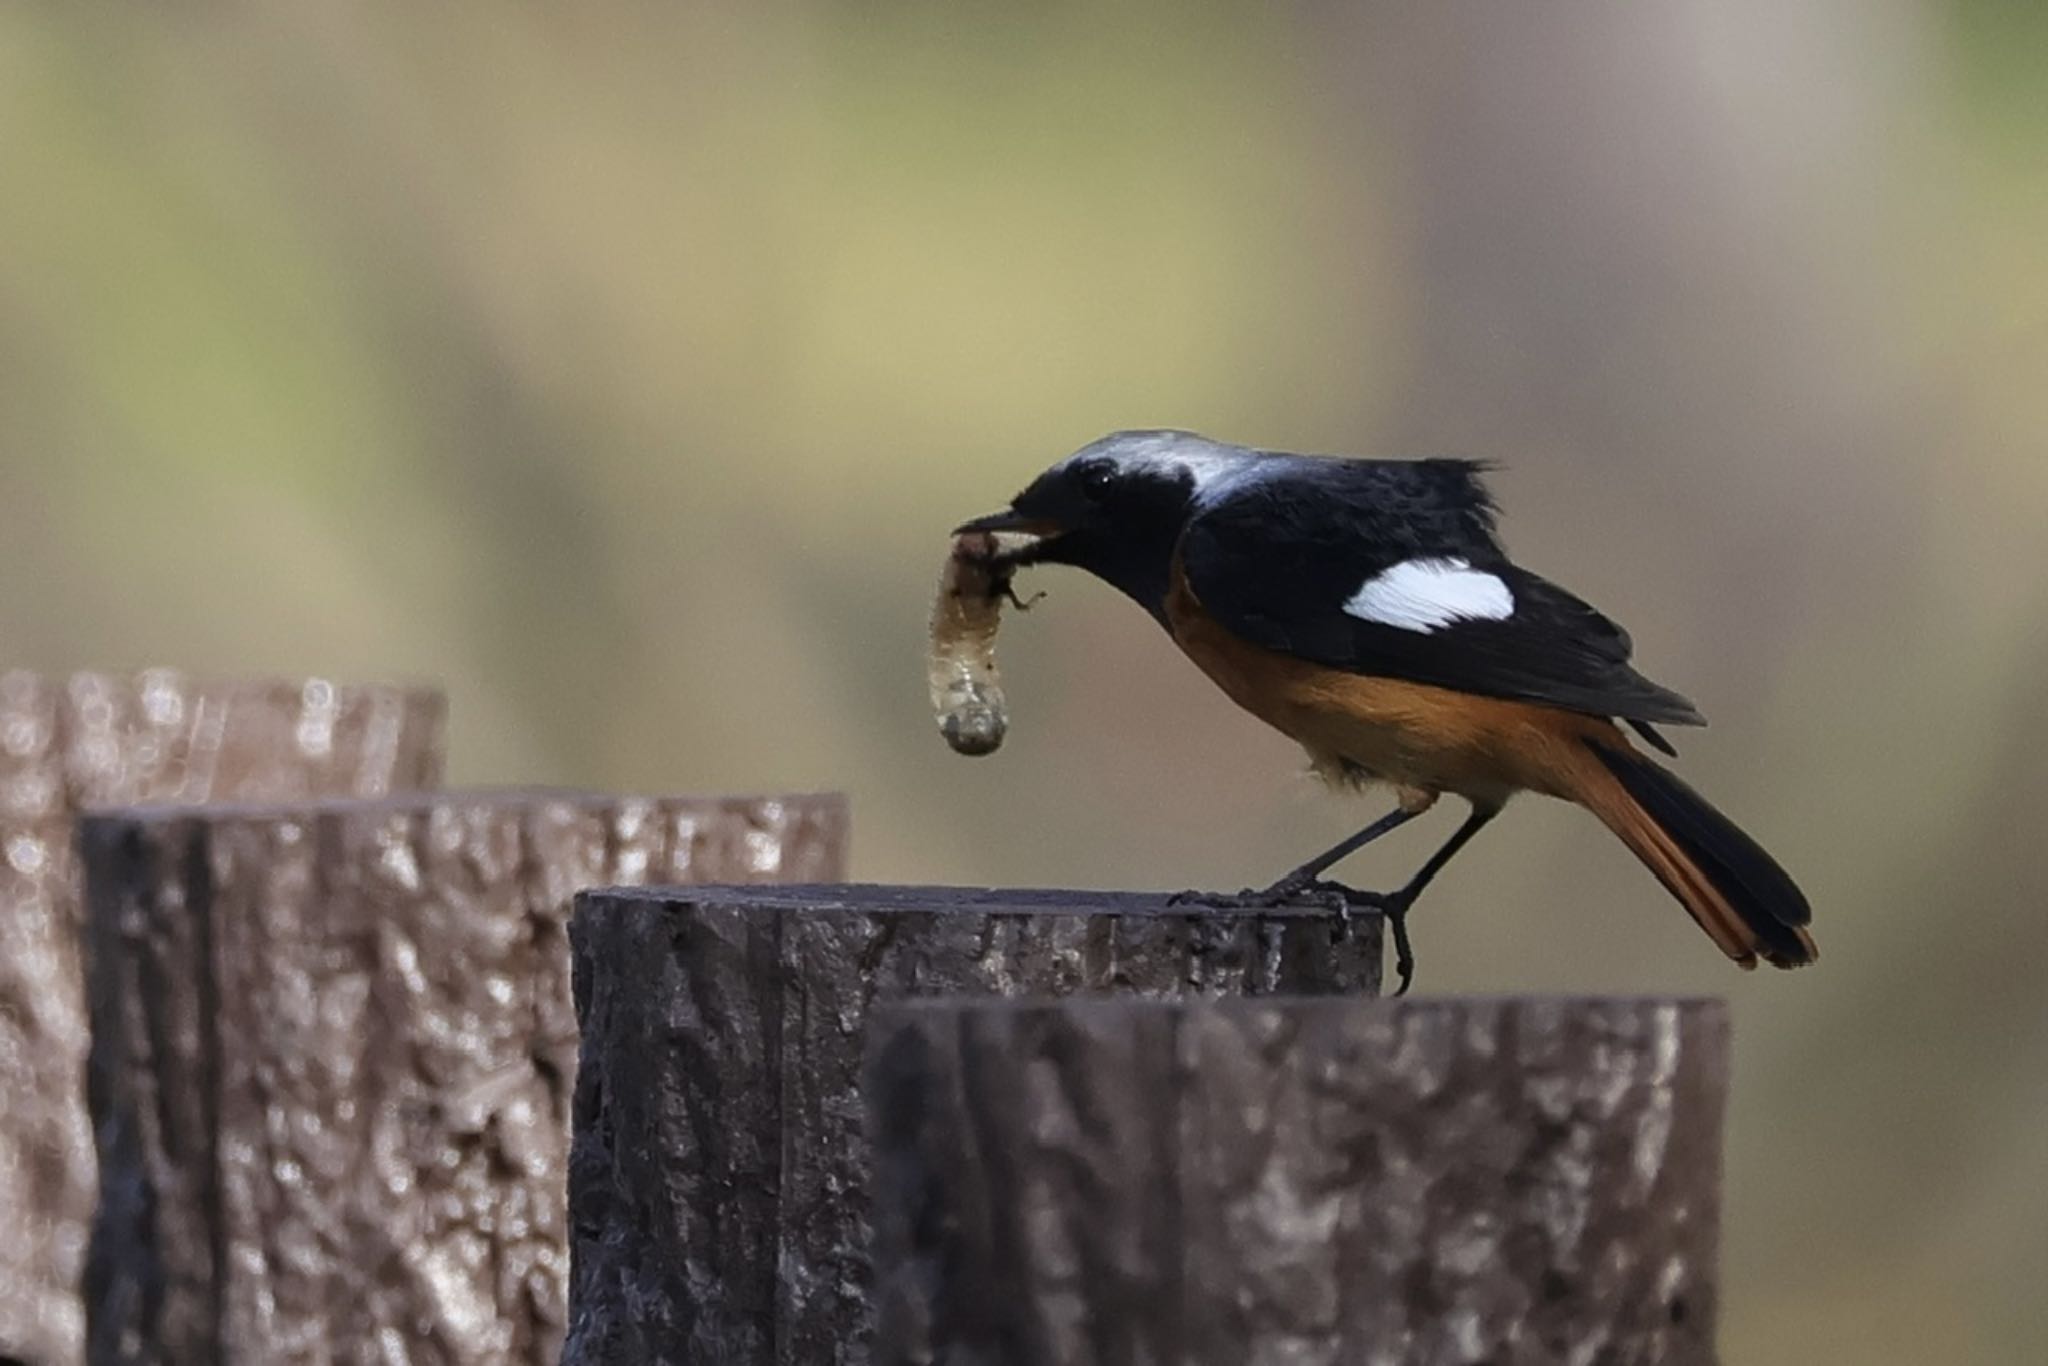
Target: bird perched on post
1366 609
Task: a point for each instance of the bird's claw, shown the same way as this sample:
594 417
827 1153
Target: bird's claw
1348 902
1393 908
1287 891
1297 888
1245 899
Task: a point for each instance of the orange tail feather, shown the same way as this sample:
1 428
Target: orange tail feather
1737 893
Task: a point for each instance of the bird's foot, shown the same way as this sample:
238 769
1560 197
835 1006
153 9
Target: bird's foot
1349 902
1286 892
1221 901
1393 908
1299 886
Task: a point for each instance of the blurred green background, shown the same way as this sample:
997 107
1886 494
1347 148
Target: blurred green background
624 365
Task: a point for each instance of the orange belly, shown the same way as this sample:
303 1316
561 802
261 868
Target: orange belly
1424 740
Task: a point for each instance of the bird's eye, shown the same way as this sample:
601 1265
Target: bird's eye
1096 480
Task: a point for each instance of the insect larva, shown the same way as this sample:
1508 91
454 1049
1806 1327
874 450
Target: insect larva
967 694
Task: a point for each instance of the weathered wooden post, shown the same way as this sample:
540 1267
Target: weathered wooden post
719 1177
1513 1182
93 739
331 1062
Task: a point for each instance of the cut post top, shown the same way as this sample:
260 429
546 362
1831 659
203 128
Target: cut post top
467 799
883 898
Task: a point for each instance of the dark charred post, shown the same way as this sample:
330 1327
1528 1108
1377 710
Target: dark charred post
718 1183
94 739
1500 1181
332 1057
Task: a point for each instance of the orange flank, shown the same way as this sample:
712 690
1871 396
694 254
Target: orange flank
1425 741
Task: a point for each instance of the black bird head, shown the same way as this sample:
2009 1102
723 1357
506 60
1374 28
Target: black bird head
1116 506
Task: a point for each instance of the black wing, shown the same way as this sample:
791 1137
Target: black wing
1275 561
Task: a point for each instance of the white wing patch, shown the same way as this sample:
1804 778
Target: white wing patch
1429 594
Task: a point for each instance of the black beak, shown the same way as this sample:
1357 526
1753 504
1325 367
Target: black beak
1009 519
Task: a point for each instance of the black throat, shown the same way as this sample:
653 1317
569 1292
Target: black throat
1131 547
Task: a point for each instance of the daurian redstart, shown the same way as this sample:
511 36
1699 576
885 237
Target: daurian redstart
1366 609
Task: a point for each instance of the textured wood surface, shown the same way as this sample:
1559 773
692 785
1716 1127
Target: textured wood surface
718 1186
1513 1182
95 739
332 1057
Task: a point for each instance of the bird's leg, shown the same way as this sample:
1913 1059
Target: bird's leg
1308 878
1394 906
1309 875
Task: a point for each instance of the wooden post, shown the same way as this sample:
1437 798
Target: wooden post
1212 1184
718 1183
331 1062
92 739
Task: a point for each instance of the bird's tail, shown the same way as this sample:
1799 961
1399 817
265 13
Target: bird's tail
1739 895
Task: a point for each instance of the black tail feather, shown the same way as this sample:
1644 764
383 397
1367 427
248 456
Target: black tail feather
1755 887
1652 737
